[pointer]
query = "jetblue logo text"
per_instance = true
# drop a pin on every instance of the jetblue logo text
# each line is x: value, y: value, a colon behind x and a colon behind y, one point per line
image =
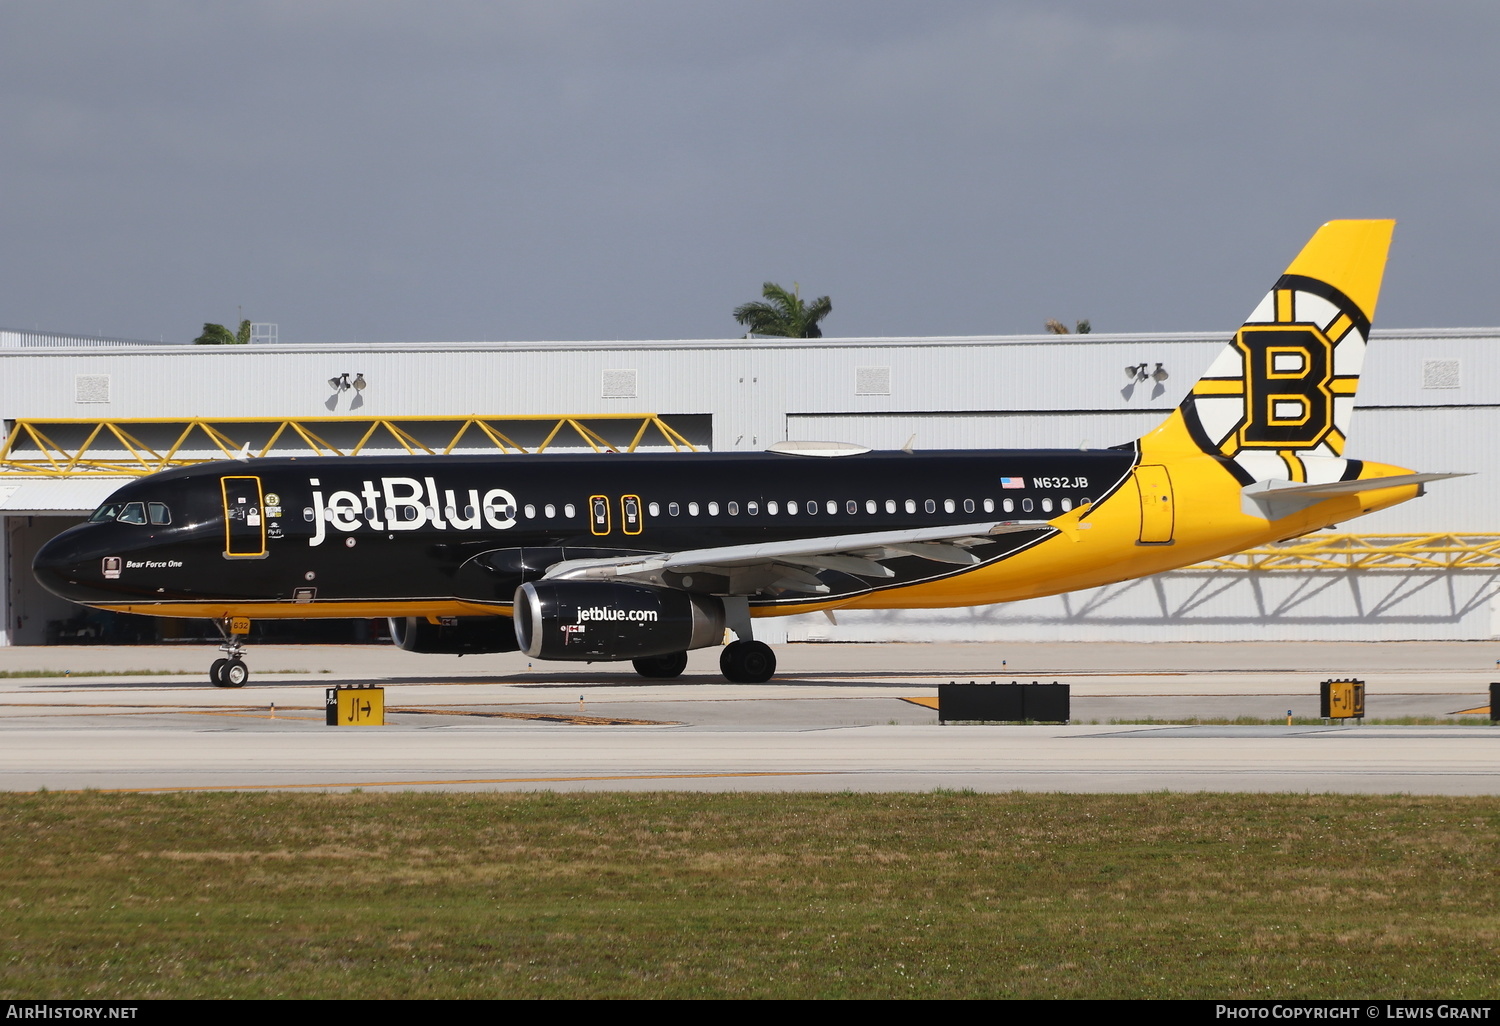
x: 407, y: 504
x: 600, y: 613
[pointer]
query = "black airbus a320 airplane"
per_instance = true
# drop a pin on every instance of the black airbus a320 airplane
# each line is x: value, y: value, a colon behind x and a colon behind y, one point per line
x: 644, y: 557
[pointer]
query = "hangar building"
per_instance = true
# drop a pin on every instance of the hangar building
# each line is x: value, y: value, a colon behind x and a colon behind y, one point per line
x: 81, y: 415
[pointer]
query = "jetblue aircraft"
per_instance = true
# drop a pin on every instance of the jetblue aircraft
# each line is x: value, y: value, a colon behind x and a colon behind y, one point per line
x: 645, y: 557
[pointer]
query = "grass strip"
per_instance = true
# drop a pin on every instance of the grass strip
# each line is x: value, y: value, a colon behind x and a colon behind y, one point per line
x: 424, y: 895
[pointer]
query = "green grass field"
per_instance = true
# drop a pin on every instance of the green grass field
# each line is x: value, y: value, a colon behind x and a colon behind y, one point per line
x: 753, y: 895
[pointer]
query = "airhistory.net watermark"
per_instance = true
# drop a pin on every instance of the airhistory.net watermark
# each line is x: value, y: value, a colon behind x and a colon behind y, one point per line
x: 44, y: 1010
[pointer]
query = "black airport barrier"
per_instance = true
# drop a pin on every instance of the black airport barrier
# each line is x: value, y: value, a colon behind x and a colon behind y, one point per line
x: 1042, y: 703
x: 1494, y: 703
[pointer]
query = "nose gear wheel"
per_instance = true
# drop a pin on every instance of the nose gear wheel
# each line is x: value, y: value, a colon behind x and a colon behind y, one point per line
x: 230, y: 671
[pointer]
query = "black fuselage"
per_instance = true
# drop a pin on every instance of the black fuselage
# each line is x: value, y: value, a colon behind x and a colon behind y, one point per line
x: 325, y: 533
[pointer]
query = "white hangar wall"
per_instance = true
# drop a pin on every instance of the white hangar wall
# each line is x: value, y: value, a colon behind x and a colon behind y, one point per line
x: 749, y: 387
x: 1430, y: 400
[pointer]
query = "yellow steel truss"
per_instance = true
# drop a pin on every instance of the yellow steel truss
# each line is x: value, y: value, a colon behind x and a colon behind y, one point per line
x: 113, y: 447
x: 1367, y: 552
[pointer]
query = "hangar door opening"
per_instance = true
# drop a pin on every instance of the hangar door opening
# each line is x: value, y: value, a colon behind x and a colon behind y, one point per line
x: 32, y: 615
x: 35, y: 616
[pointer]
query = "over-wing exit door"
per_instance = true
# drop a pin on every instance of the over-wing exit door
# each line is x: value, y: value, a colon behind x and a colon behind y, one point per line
x: 599, y: 514
x: 244, y: 518
x: 630, y: 513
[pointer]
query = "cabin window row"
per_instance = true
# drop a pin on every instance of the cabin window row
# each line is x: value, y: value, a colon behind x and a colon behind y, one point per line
x: 812, y: 507
x: 406, y: 512
x: 832, y: 507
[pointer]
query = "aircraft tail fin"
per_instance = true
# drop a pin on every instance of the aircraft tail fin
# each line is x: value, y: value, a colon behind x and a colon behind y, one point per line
x: 1277, y: 402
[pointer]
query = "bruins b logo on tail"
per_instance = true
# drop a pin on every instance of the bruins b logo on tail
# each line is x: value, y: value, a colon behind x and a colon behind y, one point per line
x: 1278, y: 400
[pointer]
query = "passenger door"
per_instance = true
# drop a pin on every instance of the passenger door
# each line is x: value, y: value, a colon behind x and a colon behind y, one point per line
x: 244, y: 518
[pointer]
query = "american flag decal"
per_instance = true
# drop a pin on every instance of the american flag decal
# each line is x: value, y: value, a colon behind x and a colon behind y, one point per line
x: 1012, y: 482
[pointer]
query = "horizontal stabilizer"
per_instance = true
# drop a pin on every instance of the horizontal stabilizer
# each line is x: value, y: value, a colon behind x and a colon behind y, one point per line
x: 1276, y: 499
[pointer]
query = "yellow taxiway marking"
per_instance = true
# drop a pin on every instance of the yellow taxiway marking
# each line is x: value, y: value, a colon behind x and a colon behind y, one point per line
x: 930, y: 703
x: 252, y: 710
x: 426, y: 783
x: 257, y: 715
x: 258, y: 711
x: 573, y: 718
x: 103, y: 705
x: 1482, y: 710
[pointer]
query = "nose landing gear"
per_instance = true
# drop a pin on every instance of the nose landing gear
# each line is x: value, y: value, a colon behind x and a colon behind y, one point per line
x: 231, y: 671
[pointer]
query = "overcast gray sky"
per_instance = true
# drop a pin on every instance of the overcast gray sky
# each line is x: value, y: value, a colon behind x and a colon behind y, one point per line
x: 624, y: 170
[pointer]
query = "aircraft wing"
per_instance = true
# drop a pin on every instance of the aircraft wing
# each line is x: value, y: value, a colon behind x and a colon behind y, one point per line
x: 787, y: 564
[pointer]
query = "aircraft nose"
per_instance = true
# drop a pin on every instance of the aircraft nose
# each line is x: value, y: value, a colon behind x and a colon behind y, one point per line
x: 51, y: 564
x: 68, y: 568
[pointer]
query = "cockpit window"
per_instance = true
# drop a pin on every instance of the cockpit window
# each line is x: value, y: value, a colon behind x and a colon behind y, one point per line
x: 158, y: 513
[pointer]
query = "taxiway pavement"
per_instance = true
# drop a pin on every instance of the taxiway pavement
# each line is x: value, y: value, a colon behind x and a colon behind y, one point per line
x: 838, y: 717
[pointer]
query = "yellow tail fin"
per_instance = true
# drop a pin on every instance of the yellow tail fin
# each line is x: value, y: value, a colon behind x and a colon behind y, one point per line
x: 1277, y: 401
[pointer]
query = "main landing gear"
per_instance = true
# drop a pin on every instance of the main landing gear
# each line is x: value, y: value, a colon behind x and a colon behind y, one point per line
x: 663, y: 667
x: 747, y: 662
x: 744, y: 661
x: 231, y: 671
x: 741, y: 662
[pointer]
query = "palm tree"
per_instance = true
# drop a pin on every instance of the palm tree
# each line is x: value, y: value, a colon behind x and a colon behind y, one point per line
x: 218, y: 335
x: 785, y: 316
x: 1056, y: 327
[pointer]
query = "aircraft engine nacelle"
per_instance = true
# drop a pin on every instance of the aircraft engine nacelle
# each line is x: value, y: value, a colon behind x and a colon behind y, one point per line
x: 604, y: 621
x: 463, y: 635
